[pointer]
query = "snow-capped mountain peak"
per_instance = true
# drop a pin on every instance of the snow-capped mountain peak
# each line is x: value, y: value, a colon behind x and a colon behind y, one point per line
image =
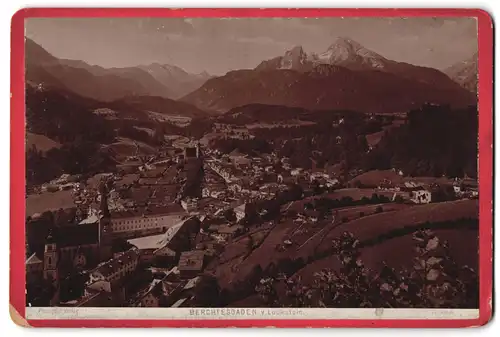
x: 345, y: 50
x: 294, y: 58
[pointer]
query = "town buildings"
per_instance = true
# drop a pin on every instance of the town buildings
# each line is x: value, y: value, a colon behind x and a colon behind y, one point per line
x: 145, y: 222
x: 191, y: 263
x: 114, y: 271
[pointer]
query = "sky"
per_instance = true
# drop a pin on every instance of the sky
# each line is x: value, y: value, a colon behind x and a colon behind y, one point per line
x: 218, y: 45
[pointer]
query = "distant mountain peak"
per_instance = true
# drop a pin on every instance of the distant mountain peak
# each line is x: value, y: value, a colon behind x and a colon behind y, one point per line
x: 35, y: 53
x: 346, y: 42
x: 294, y: 58
x: 465, y: 73
x: 345, y: 50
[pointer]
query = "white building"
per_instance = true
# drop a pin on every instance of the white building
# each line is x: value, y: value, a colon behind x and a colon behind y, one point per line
x: 421, y: 197
x: 113, y: 271
x: 240, y: 212
x: 296, y: 172
x: 189, y: 205
x: 127, y: 225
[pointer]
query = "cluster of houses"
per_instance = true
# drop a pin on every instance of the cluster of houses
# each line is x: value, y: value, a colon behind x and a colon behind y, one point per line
x: 424, y: 193
x: 174, y: 234
x: 257, y: 178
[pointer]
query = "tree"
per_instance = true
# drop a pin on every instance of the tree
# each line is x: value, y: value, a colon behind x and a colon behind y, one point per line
x: 250, y: 243
x: 207, y: 292
x: 120, y: 245
x: 308, y: 206
x: 230, y: 215
x: 435, y: 281
x: 295, y: 192
x: 316, y: 188
x: 399, y: 199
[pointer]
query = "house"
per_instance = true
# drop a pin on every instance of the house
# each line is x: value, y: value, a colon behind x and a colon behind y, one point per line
x: 145, y: 222
x: 179, y: 303
x: 79, y: 246
x: 34, y: 269
x: 190, y: 204
x: 164, y: 247
x: 421, y: 196
x: 152, y: 248
x: 114, y: 271
x: 128, y: 180
x: 229, y: 232
x: 241, y: 212
x: 296, y: 172
x: 95, y: 298
x: 332, y: 182
x: 410, y: 184
x: 158, y: 293
x: 191, y: 263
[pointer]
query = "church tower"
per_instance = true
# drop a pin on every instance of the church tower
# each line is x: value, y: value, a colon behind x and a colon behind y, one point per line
x: 50, y: 266
x: 104, y: 224
x: 198, y: 150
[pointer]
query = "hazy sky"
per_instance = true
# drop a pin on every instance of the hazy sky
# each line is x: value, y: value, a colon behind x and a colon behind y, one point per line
x: 220, y: 45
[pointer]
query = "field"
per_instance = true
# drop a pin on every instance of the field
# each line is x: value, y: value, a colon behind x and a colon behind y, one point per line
x: 354, y: 193
x: 161, y: 117
x: 374, y: 138
x: 312, y: 241
x: 232, y: 266
x: 463, y: 244
x: 373, y: 178
x: 281, y: 124
x: 370, y: 226
x: 148, y: 130
x: 48, y: 201
x: 376, y: 248
x: 125, y: 147
x: 41, y: 142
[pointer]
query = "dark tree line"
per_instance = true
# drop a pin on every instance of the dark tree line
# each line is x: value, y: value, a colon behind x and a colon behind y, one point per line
x: 65, y: 117
x: 79, y: 157
x: 435, y: 141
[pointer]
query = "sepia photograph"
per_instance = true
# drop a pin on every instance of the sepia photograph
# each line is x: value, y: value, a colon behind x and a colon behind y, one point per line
x: 217, y: 166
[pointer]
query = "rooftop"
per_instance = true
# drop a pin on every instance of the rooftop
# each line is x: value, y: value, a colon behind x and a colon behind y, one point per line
x: 33, y: 259
x: 147, y: 242
x: 160, y: 240
x: 151, y: 211
x: 111, y: 266
x: 192, y: 260
x: 90, y: 220
x: 179, y: 303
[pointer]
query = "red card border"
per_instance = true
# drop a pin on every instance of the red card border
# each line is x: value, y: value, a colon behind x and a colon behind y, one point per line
x: 17, y: 162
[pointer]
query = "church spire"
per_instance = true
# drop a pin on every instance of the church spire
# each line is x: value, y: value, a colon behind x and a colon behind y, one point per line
x: 103, y: 207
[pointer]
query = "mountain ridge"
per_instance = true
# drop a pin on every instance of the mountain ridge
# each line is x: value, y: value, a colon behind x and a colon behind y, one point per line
x: 106, y: 84
x: 326, y: 87
x: 465, y: 73
x: 348, y: 77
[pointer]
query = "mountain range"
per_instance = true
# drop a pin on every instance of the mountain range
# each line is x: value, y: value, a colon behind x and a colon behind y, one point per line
x: 465, y: 73
x: 346, y: 76
x: 107, y: 84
